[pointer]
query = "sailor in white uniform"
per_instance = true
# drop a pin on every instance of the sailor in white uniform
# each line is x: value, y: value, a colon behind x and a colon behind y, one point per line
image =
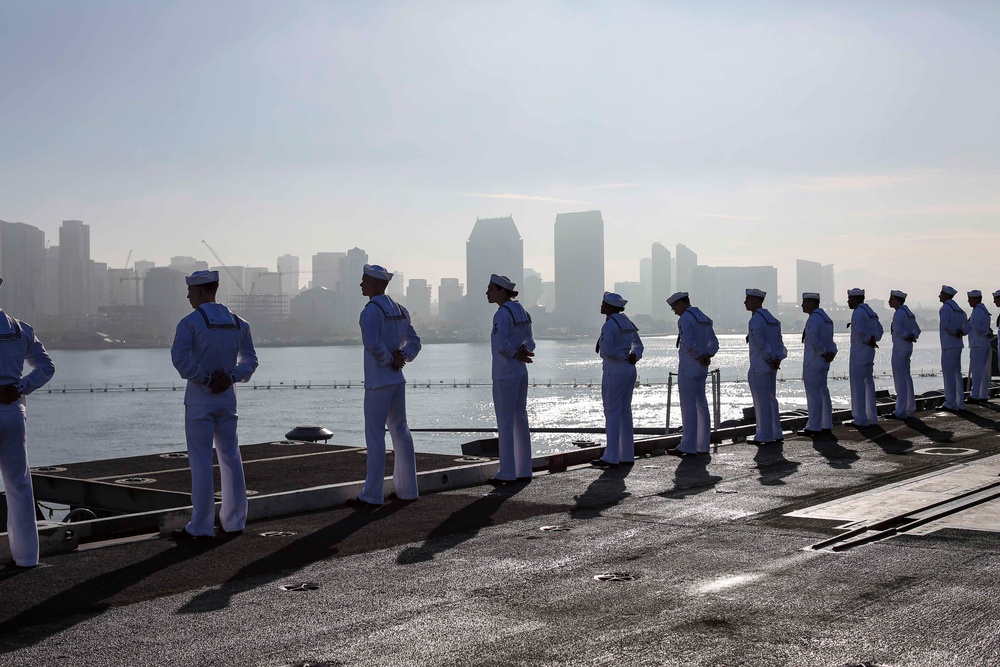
x: 953, y: 326
x: 18, y: 346
x: 212, y: 350
x: 819, y: 350
x: 620, y: 348
x: 696, y: 345
x: 389, y: 342
x: 866, y: 332
x: 766, y: 353
x: 513, y: 347
x: 980, y: 354
x: 905, y: 332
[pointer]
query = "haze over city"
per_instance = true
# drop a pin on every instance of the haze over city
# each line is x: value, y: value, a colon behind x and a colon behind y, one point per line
x: 856, y: 134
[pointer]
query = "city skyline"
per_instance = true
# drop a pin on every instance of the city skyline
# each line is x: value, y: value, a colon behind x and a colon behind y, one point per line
x: 755, y: 133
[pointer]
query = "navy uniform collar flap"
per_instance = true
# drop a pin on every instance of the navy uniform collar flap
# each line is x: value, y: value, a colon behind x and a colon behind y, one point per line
x: 822, y: 313
x: 518, y: 321
x: 217, y: 316
x: 9, y: 327
x: 623, y: 322
x: 768, y: 317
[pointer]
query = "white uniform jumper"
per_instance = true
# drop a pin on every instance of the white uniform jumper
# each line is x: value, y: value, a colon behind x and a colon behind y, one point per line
x: 619, y: 338
x: 817, y: 339
x: 766, y: 345
x: 904, y: 326
x: 511, y: 330
x: 980, y: 353
x: 385, y: 328
x: 953, y: 325
x: 695, y: 338
x: 18, y: 346
x: 212, y: 338
x: 865, y: 329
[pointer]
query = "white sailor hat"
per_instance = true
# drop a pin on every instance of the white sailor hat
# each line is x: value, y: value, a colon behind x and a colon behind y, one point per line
x: 855, y: 291
x: 974, y: 292
x: 202, y: 278
x: 898, y: 294
x: 615, y: 300
x: 811, y: 295
x: 753, y: 291
x: 675, y: 297
x: 376, y: 271
x: 997, y: 293
x: 948, y: 289
x: 502, y: 281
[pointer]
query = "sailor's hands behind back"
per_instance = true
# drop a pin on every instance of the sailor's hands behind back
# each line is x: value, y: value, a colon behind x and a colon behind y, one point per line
x: 524, y: 355
x: 9, y: 394
x: 219, y: 382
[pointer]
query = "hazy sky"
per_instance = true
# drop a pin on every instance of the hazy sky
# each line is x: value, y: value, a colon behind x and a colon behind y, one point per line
x: 864, y: 134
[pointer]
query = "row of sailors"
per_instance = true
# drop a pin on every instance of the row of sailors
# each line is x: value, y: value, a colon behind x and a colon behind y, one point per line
x: 697, y: 344
x: 213, y: 350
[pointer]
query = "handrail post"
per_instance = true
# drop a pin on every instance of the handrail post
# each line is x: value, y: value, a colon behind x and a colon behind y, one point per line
x: 670, y: 393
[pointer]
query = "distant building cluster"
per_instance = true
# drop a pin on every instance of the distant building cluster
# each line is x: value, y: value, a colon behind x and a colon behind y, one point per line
x: 70, y: 295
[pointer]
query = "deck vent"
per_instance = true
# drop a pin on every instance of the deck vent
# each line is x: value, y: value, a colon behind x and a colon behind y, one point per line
x: 309, y: 434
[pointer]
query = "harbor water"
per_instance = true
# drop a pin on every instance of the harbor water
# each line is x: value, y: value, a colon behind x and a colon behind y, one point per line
x: 117, y: 403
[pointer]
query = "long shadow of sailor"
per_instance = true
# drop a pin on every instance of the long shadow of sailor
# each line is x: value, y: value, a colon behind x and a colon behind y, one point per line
x: 607, y: 490
x: 295, y: 555
x: 460, y: 526
x: 836, y: 455
x: 93, y: 596
x: 772, y: 466
x: 691, y: 477
x: 928, y: 431
x: 888, y: 442
x: 979, y: 420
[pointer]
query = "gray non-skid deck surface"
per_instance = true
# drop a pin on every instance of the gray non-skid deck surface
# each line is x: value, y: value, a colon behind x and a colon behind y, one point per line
x: 269, y: 468
x: 721, y: 576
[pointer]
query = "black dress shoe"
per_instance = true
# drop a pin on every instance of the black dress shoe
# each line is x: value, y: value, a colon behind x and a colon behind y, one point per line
x: 601, y: 463
x: 181, y: 535
x: 359, y: 504
x: 827, y: 431
x: 501, y: 482
x: 231, y: 533
x: 751, y: 441
x: 626, y: 463
x: 779, y: 441
x: 808, y: 433
x: 673, y: 451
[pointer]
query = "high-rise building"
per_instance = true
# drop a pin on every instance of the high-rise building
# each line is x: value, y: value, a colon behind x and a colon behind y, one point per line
x: 100, y: 286
x: 661, y: 284
x: 397, y: 287
x: 808, y: 277
x: 450, y: 294
x: 646, y: 278
x: 353, y: 301
x: 720, y: 291
x: 326, y: 269
x: 494, y: 246
x: 75, y: 298
x: 124, y: 288
x: 232, y: 281
x: 164, y: 291
x: 827, y: 290
x: 141, y: 266
x: 22, y: 265
x: 288, y: 268
x: 686, y: 260
x: 187, y: 265
x: 579, y: 269
x: 631, y: 292
x: 50, y: 282
x: 418, y: 298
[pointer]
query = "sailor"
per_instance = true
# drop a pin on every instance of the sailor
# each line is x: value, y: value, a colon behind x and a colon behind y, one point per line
x: 620, y: 348
x: 953, y: 327
x: 866, y: 332
x: 819, y: 350
x: 766, y: 352
x: 696, y: 345
x: 513, y: 347
x: 18, y: 346
x: 905, y: 332
x: 980, y: 353
x: 212, y: 350
x: 389, y: 343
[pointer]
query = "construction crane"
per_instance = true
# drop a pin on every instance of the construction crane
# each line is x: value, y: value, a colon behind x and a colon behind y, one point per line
x: 135, y: 278
x: 224, y: 267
